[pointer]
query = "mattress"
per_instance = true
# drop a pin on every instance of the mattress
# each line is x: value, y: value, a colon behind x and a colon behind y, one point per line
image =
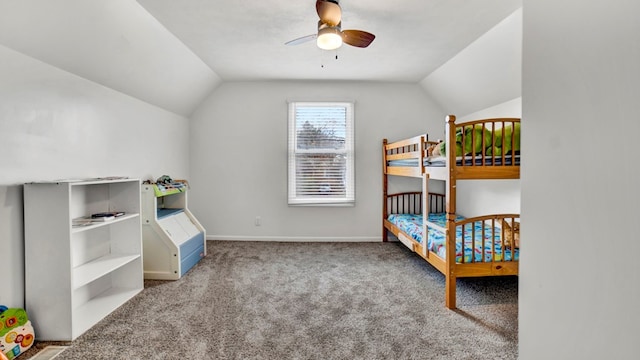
x: 440, y: 161
x: 412, y: 225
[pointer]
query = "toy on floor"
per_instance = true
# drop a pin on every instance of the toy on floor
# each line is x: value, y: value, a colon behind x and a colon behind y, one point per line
x: 16, y: 332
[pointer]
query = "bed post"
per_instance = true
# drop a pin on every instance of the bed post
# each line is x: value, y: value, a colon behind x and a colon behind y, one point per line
x: 450, y: 276
x: 385, y: 234
x: 425, y: 197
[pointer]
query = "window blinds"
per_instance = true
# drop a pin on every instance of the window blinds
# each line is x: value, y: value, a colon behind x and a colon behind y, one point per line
x: 321, y: 157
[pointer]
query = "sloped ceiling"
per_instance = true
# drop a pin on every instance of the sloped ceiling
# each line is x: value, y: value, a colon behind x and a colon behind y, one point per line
x: 174, y: 53
x: 244, y: 40
x: 486, y: 73
x: 115, y: 43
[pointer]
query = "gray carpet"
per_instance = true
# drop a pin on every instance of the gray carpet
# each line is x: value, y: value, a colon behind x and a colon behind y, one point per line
x: 270, y: 300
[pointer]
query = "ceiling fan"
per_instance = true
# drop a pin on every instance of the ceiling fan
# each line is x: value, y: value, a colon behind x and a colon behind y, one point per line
x: 330, y: 35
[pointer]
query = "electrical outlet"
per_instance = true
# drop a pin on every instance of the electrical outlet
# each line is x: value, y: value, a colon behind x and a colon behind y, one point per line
x: 258, y: 221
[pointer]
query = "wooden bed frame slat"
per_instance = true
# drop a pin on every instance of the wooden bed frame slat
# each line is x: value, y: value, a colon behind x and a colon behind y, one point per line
x: 404, y: 171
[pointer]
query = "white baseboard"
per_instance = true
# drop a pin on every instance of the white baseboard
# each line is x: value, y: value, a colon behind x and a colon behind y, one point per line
x: 295, y: 238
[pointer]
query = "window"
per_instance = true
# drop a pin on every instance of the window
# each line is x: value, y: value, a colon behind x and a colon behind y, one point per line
x: 321, y: 156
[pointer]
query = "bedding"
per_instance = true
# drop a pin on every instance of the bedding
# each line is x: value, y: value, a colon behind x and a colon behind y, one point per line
x: 473, y: 140
x: 501, y: 140
x: 440, y: 161
x: 504, y: 145
x: 436, y: 240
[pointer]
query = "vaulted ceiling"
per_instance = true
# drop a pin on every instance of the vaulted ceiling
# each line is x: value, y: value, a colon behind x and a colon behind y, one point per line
x: 173, y: 53
x: 244, y: 40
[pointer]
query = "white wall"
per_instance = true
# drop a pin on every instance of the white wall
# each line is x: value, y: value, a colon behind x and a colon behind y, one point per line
x: 511, y: 108
x: 579, y: 269
x: 239, y: 158
x: 55, y: 125
x: 483, y: 197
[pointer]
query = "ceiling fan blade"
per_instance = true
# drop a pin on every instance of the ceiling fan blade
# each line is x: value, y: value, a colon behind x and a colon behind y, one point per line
x: 357, y: 38
x: 301, y: 40
x: 329, y: 12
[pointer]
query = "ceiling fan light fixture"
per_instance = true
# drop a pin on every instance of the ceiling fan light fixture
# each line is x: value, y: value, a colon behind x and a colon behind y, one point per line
x: 329, y: 38
x: 330, y: 35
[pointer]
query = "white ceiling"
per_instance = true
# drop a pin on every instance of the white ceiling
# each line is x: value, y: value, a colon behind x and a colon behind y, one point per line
x: 174, y: 53
x: 242, y: 40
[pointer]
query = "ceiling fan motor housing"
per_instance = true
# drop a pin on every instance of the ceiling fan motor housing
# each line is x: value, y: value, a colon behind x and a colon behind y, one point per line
x: 322, y: 25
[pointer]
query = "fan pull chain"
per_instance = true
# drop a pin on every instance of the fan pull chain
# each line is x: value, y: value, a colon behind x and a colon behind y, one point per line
x: 322, y: 60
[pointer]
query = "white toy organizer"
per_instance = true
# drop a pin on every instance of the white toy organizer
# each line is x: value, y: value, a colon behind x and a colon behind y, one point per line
x: 173, y: 239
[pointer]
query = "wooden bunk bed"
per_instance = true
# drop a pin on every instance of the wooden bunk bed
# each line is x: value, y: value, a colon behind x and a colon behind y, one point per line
x: 485, y: 149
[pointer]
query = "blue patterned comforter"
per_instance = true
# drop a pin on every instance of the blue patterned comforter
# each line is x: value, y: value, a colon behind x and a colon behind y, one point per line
x: 412, y: 225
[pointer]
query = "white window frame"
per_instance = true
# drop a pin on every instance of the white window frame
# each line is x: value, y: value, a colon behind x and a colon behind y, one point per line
x: 349, y: 179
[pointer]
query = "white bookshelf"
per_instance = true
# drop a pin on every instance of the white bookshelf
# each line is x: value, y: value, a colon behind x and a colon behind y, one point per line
x: 173, y: 239
x: 77, y: 275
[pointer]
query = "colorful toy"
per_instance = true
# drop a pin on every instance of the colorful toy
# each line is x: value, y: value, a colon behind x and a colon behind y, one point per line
x: 16, y: 332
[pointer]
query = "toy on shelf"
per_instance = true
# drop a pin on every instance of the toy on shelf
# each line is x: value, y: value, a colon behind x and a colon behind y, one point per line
x: 165, y: 185
x: 16, y: 332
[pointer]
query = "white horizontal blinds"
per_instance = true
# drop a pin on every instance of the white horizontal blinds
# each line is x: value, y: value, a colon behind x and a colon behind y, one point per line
x: 321, y: 153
